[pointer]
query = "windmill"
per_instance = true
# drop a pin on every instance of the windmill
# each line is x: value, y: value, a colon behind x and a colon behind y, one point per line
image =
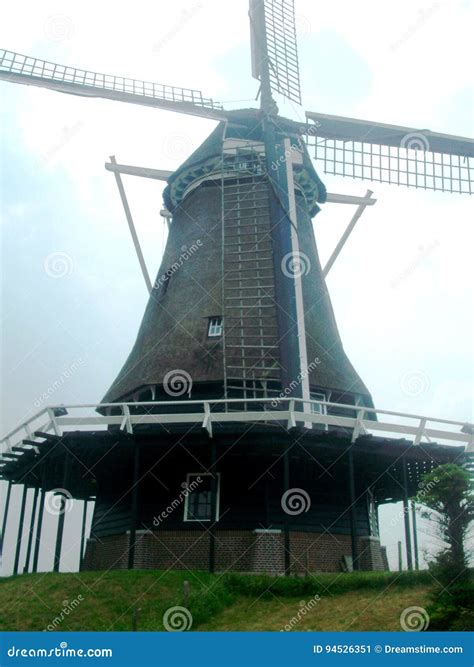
x: 259, y: 352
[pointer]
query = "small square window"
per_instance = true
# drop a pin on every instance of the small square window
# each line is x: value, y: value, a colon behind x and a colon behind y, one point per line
x: 198, y: 503
x: 215, y: 327
x: 315, y: 408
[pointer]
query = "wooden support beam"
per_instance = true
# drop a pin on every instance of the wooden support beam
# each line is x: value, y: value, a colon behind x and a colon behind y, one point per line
x: 353, y: 509
x: 214, y: 481
x: 62, y: 514
x: 134, y: 504
x: 31, y: 531
x: 83, y: 533
x: 5, y: 514
x: 333, y: 198
x: 415, y: 536
x: 406, y: 517
x: 144, y: 172
x: 131, y: 226
x: 38, y: 531
x: 286, y: 521
x: 20, y: 529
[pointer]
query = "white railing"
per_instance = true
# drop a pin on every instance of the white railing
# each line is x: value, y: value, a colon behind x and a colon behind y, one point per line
x: 289, y: 411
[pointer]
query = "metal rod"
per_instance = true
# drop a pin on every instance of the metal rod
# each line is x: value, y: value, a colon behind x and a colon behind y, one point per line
x: 353, y: 509
x: 286, y: 522
x: 134, y: 508
x: 20, y: 529
x: 400, y: 557
x: 38, y: 531
x: 31, y: 531
x: 406, y: 518
x: 83, y: 533
x: 212, y: 536
x: 415, y: 536
x: 340, y: 244
x: 131, y: 226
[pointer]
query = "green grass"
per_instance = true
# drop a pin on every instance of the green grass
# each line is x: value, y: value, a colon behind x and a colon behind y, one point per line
x: 105, y: 600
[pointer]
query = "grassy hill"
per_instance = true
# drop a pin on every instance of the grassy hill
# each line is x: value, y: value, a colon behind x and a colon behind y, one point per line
x: 106, y: 600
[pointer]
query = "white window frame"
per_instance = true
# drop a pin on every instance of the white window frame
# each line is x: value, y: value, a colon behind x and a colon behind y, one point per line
x: 318, y: 409
x: 215, y: 326
x: 186, y: 501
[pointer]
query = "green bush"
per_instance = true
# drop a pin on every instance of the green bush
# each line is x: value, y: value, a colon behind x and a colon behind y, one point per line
x: 453, y: 608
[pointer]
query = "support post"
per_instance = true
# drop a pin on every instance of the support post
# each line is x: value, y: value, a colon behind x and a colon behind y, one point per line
x: 286, y: 522
x: 83, y: 532
x: 131, y: 226
x: 62, y: 514
x: 32, y: 529
x: 353, y: 509
x: 5, y: 515
x: 400, y: 558
x: 212, y: 536
x: 135, y: 500
x: 406, y: 517
x: 415, y: 536
x: 20, y: 529
x: 38, y: 531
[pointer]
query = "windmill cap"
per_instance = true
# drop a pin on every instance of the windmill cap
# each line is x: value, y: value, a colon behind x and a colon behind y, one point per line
x: 245, y: 124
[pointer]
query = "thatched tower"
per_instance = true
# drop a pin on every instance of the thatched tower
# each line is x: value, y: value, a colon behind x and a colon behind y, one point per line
x: 217, y: 266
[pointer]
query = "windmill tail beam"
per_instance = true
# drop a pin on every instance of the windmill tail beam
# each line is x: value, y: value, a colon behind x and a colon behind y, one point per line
x: 131, y: 226
x: 144, y: 172
x: 342, y: 241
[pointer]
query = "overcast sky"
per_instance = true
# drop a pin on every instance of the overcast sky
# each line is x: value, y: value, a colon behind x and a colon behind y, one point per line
x: 402, y: 288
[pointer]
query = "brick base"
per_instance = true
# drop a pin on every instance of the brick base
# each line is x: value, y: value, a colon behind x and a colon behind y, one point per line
x: 238, y: 551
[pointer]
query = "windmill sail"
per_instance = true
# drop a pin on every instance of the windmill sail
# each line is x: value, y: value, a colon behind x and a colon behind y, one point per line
x: 18, y: 68
x: 391, y: 154
x: 273, y: 45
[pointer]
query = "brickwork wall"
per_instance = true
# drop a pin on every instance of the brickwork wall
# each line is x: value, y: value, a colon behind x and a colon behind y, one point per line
x: 241, y: 551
